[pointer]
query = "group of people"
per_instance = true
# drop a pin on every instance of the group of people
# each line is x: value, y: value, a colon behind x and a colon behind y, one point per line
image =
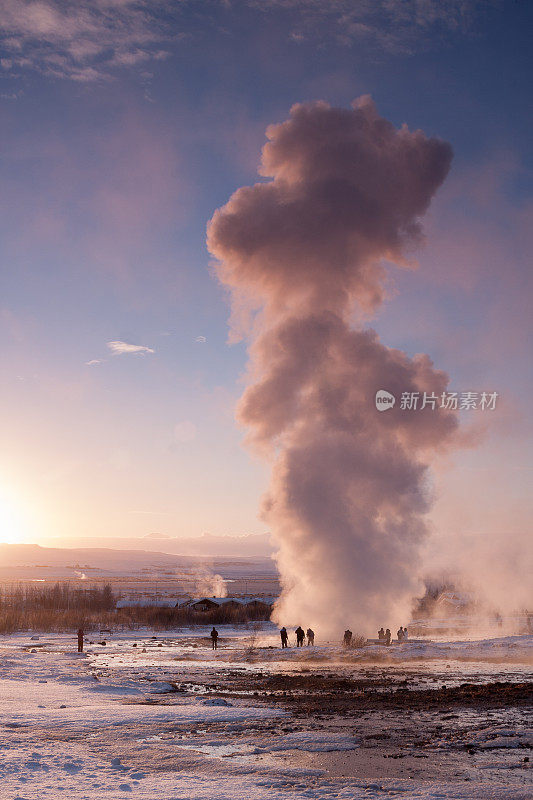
x: 386, y: 635
x: 402, y: 634
x: 383, y: 635
x: 300, y: 637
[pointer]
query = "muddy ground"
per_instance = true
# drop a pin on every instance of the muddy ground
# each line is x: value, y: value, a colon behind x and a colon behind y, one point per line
x: 329, y: 694
x: 466, y: 732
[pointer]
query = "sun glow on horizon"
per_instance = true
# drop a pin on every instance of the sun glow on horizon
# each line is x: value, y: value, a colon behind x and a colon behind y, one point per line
x: 13, y: 529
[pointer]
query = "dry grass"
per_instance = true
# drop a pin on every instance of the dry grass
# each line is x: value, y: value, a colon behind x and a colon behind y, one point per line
x: 60, y: 608
x: 39, y: 619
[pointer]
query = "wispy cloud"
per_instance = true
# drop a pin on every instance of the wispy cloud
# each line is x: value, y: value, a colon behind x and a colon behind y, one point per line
x: 93, y: 362
x: 121, y: 348
x: 89, y: 40
x: 385, y: 25
x: 11, y: 95
x: 83, y: 40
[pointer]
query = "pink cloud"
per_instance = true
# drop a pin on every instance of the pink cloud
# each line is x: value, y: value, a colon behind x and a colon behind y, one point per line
x: 82, y: 40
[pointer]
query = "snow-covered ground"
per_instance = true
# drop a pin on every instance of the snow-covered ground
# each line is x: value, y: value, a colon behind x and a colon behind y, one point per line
x: 109, y: 723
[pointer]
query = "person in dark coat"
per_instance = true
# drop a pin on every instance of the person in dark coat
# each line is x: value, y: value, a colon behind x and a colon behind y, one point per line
x: 80, y: 640
x: 300, y: 636
x: 310, y: 637
x: 388, y: 636
x: 214, y: 638
x: 381, y: 634
x: 347, y: 640
x: 284, y: 637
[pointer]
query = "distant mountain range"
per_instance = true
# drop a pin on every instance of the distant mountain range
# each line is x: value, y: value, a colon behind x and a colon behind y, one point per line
x: 34, y: 562
x: 248, y: 546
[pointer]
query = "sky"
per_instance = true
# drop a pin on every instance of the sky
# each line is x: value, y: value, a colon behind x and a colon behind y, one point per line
x: 125, y: 125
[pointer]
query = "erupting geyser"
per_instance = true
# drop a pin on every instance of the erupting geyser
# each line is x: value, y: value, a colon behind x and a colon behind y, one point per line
x: 300, y: 253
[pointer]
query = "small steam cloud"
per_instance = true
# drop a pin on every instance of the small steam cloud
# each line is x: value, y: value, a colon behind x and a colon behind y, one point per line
x: 300, y: 253
x: 208, y: 584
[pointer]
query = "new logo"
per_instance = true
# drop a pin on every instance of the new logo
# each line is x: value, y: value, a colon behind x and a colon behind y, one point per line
x: 384, y: 400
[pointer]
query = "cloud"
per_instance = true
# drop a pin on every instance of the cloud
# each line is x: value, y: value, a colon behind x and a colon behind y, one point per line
x: 398, y: 26
x: 200, y: 339
x: 83, y: 40
x: 93, y: 362
x: 119, y: 348
x: 89, y: 40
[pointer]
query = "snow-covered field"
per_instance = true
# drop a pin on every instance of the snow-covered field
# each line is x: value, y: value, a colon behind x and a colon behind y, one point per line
x: 109, y: 723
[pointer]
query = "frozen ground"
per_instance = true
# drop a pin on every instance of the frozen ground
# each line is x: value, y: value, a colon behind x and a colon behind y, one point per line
x: 142, y: 717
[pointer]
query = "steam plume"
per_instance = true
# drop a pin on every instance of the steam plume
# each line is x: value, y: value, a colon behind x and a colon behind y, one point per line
x: 305, y: 250
x: 207, y: 584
